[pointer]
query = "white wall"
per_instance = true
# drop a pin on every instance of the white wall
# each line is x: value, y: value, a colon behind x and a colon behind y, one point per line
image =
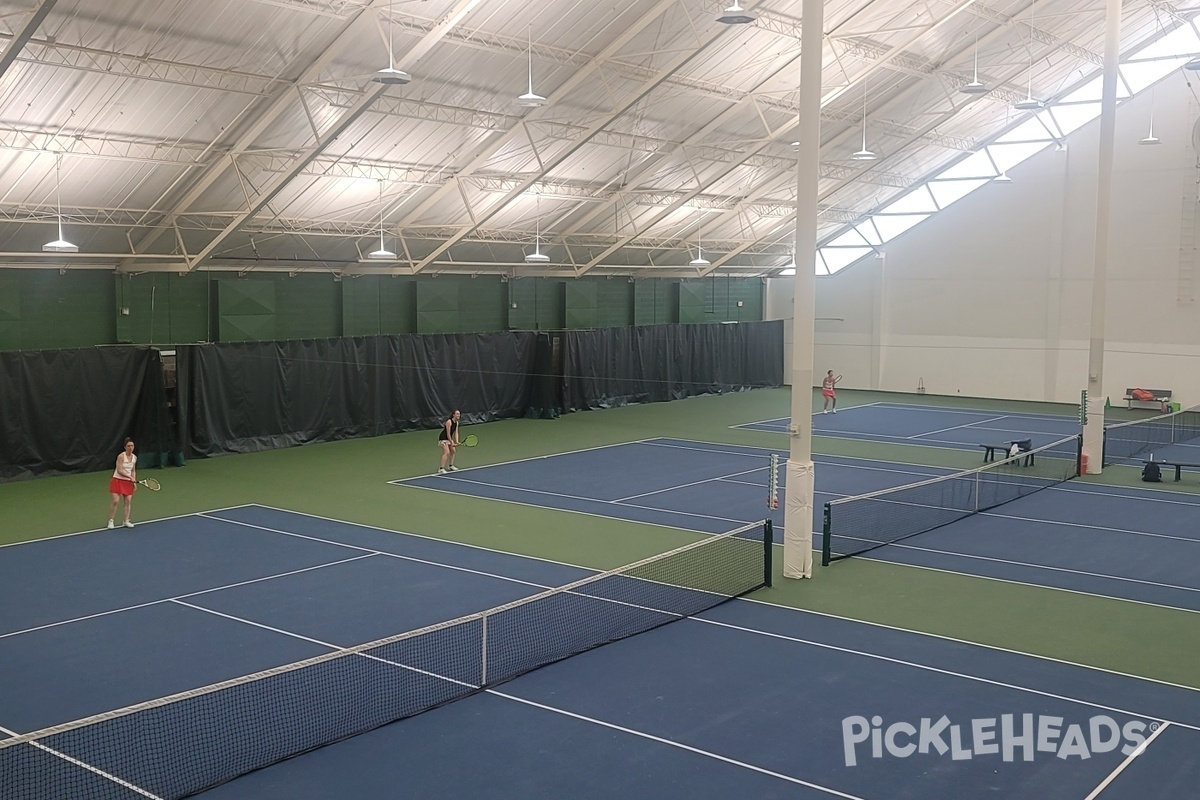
x: 992, y: 297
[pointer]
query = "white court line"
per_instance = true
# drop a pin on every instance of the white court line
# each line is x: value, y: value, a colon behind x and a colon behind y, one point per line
x: 955, y: 640
x: 102, y: 530
x: 1126, y: 493
x: 1084, y: 526
x: 400, y: 481
x: 149, y: 603
x: 625, y: 500
x: 984, y: 411
x: 457, y: 479
x: 333, y: 648
x: 672, y: 743
x: 1046, y: 567
x: 955, y: 427
x: 384, y: 553
x: 929, y: 471
x: 822, y: 645
x: 1045, y: 587
x: 465, y: 684
x: 768, y: 634
x: 1128, y: 760
x: 936, y: 670
x: 84, y: 765
x: 558, y: 509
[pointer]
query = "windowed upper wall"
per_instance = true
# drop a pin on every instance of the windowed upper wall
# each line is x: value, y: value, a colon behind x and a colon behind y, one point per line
x: 1031, y: 133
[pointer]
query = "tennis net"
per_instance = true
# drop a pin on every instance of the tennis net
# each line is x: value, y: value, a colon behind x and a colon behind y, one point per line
x: 854, y: 525
x: 177, y: 746
x: 1128, y: 440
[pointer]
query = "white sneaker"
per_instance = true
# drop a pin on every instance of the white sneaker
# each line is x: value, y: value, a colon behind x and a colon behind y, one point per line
x: 110, y: 525
x: 441, y: 470
x: 453, y: 468
x: 128, y: 524
x: 825, y: 411
x: 835, y: 411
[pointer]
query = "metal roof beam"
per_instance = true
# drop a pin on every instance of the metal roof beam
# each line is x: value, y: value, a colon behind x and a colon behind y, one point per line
x: 327, y: 136
x: 487, y: 149
x: 23, y: 34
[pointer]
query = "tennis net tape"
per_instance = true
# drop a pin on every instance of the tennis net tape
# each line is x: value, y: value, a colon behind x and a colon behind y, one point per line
x: 177, y: 746
x: 1128, y: 440
x: 854, y: 525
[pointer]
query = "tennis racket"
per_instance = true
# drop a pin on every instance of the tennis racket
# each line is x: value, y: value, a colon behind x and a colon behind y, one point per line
x: 838, y: 378
x: 150, y: 484
x: 470, y: 441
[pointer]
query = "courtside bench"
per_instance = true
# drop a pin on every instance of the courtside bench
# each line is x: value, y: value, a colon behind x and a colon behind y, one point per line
x: 1178, y: 465
x: 1024, y: 445
x: 1162, y: 398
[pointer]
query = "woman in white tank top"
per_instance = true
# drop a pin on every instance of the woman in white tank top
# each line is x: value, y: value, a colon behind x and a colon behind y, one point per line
x: 123, y: 484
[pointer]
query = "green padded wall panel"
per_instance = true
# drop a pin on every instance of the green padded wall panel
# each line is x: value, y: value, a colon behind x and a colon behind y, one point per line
x: 614, y: 303
x: 437, y: 306
x: 10, y: 311
x: 307, y: 306
x: 655, y: 302
x: 247, y: 310
x: 482, y: 301
x: 580, y: 304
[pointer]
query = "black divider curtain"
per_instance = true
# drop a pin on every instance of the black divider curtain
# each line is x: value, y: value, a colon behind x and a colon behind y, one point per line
x: 64, y: 411
x: 545, y: 400
x: 616, y: 366
x: 238, y: 398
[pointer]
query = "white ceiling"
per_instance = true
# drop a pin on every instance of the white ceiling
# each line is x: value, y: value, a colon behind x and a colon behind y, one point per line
x: 211, y: 134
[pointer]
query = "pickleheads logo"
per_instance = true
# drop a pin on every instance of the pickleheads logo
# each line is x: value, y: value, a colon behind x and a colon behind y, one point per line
x: 1010, y: 737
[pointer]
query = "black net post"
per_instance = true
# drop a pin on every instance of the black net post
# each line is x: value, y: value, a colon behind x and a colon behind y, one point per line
x: 768, y: 553
x: 826, y: 538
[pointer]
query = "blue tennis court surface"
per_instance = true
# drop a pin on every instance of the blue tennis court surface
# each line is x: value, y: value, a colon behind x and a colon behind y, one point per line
x: 1134, y: 544
x: 932, y: 426
x: 744, y: 700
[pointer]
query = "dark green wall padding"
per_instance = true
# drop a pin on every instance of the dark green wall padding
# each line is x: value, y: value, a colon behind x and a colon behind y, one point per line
x: 1133, y: 638
x: 41, y: 309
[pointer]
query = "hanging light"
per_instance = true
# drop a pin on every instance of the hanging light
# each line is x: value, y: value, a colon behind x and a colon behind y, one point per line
x: 864, y: 154
x: 537, y: 256
x: 59, y: 245
x: 382, y: 254
x: 735, y: 15
x: 1193, y: 64
x: 1029, y: 103
x: 530, y: 99
x: 389, y: 75
x: 699, y: 260
x: 1150, y: 137
x: 1002, y: 178
x: 975, y: 86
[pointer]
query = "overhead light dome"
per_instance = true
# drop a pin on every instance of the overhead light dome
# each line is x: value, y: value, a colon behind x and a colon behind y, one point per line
x: 391, y: 76
x: 735, y: 15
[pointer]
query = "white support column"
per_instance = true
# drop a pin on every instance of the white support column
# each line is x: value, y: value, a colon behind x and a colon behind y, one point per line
x: 1093, y: 431
x: 798, y: 510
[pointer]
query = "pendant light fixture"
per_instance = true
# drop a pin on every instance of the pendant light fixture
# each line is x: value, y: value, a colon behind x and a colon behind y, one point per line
x: 530, y: 99
x: 976, y: 86
x: 389, y: 75
x: 699, y: 260
x: 537, y: 256
x: 735, y: 15
x: 1150, y: 137
x: 382, y: 254
x: 1029, y: 103
x: 864, y: 154
x: 59, y: 245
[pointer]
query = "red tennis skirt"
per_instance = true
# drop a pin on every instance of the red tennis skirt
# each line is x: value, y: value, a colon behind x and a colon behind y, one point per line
x: 120, y: 486
x: 828, y: 393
